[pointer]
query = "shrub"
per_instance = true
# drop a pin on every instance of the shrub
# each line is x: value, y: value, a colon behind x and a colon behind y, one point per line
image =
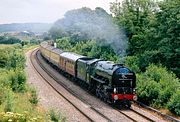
x: 4, y: 81
x: 132, y: 62
x: 156, y: 86
x: 17, y: 59
x: 166, y: 92
x: 54, y: 116
x: 147, y: 90
x: 11, y: 57
x: 4, y: 58
x: 167, y: 80
x: 17, y: 78
x: 174, y: 103
x: 33, y: 99
x: 64, y: 43
x: 158, y: 73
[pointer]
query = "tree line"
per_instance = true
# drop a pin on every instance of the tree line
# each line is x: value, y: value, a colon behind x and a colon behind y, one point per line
x: 9, y: 40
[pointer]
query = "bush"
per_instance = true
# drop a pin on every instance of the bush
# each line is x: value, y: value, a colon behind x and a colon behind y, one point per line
x: 132, y: 62
x: 64, y: 44
x: 11, y: 57
x: 156, y: 86
x: 34, y: 41
x: 166, y: 93
x: 33, y: 99
x: 4, y: 58
x: 4, y: 80
x: 18, y: 79
x: 56, y: 117
x: 174, y: 103
x: 167, y: 80
x: 83, y: 48
x: 17, y: 59
x: 147, y: 90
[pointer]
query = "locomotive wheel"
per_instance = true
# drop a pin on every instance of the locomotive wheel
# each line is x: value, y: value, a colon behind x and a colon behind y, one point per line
x: 97, y: 93
x: 105, y: 99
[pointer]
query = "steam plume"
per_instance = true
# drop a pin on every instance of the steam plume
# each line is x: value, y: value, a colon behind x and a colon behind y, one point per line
x: 94, y: 24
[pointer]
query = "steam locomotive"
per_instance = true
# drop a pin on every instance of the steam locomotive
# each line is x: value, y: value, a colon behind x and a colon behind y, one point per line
x: 113, y: 83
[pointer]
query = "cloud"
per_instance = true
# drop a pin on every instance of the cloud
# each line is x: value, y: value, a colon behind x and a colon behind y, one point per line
x: 13, y: 11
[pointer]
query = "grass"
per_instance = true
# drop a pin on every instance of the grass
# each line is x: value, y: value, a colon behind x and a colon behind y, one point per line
x: 22, y: 106
x: 5, y: 46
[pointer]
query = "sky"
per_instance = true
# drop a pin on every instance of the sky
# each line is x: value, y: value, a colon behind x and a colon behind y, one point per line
x: 46, y: 11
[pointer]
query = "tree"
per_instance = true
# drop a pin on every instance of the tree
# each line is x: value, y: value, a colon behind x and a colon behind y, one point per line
x: 9, y: 40
x: 168, y: 34
x: 152, y: 29
x: 64, y: 44
x: 137, y: 17
x: 3, y: 58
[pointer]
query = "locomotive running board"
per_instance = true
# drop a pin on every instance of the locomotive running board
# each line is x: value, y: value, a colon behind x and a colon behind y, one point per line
x: 97, y: 79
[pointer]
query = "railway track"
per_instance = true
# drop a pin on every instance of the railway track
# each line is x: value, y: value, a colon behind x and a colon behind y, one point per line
x: 131, y: 113
x: 81, y: 111
x: 128, y: 113
x: 164, y: 116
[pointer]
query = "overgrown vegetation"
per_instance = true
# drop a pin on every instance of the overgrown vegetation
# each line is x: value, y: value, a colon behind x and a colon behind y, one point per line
x: 56, y: 117
x: 152, y: 29
x: 33, y: 99
x: 18, y: 102
x: 157, y: 86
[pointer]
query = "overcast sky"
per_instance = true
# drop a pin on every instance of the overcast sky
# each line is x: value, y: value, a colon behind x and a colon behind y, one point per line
x: 23, y: 11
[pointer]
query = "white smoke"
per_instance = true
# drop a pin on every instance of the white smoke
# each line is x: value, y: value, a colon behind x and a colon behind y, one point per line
x: 94, y: 24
